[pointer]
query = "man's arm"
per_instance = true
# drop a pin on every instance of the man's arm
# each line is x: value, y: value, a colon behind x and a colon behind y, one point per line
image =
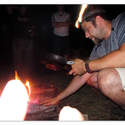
x: 74, y: 85
x: 112, y: 60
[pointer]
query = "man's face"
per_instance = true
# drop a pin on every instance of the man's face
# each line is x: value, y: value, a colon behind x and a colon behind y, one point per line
x: 95, y: 33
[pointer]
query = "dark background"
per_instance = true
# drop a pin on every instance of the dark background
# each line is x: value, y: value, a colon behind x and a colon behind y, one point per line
x: 88, y: 100
x: 41, y: 17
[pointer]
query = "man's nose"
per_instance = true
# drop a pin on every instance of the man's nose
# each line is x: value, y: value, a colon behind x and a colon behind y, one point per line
x: 87, y: 35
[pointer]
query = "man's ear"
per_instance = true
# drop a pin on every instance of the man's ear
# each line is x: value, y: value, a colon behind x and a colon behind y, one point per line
x: 99, y: 20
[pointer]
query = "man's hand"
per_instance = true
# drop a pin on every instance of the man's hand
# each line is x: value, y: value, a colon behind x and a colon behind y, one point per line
x: 52, y: 101
x: 78, y: 68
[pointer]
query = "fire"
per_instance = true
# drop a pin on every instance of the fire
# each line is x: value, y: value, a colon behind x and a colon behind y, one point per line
x: 16, y: 76
x: 84, y: 6
x: 29, y: 89
x: 68, y: 113
x: 14, y: 100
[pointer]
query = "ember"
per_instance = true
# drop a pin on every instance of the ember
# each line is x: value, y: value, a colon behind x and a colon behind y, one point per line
x: 51, y: 67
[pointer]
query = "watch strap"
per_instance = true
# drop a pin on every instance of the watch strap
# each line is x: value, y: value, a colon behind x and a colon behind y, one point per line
x: 87, y: 67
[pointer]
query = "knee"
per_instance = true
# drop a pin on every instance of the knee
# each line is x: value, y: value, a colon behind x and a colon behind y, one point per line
x: 92, y: 81
x: 106, y: 80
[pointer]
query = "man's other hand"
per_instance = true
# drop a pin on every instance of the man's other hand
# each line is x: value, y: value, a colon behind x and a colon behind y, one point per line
x: 78, y: 68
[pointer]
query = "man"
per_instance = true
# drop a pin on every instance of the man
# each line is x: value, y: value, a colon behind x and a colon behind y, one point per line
x: 105, y: 68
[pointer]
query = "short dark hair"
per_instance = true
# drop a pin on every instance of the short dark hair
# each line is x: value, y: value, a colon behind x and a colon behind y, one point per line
x: 92, y: 11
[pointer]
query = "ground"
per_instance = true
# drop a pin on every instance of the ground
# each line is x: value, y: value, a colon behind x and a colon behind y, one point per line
x: 91, y: 102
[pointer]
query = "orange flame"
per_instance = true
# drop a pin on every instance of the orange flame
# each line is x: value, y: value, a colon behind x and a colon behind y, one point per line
x: 27, y: 82
x: 16, y: 76
x: 68, y: 113
x: 83, y: 8
x: 28, y: 86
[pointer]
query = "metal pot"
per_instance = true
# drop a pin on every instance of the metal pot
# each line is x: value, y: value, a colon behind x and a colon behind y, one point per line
x: 58, y: 59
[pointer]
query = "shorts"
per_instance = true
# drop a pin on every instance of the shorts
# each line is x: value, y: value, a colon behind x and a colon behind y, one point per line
x: 121, y: 72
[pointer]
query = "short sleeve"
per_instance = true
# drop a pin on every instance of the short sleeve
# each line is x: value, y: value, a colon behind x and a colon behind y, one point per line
x: 121, y: 30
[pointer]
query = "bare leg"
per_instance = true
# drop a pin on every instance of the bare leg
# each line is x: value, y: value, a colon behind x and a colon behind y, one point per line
x: 92, y: 81
x: 109, y: 83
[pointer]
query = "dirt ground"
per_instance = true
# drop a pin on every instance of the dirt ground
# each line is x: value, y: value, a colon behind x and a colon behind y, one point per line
x: 93, y: 104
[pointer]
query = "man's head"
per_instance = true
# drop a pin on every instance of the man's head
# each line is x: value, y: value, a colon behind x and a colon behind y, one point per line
x: 94, y: 23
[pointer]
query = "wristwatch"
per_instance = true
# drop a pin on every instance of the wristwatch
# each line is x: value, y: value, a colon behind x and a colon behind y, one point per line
x: 87, y: 67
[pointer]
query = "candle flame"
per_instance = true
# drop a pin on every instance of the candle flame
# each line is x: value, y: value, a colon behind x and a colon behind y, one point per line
x: 79, y: 20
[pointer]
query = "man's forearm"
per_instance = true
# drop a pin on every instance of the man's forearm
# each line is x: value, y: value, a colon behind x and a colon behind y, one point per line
x: 74, y: 85
x: 112, y: 60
